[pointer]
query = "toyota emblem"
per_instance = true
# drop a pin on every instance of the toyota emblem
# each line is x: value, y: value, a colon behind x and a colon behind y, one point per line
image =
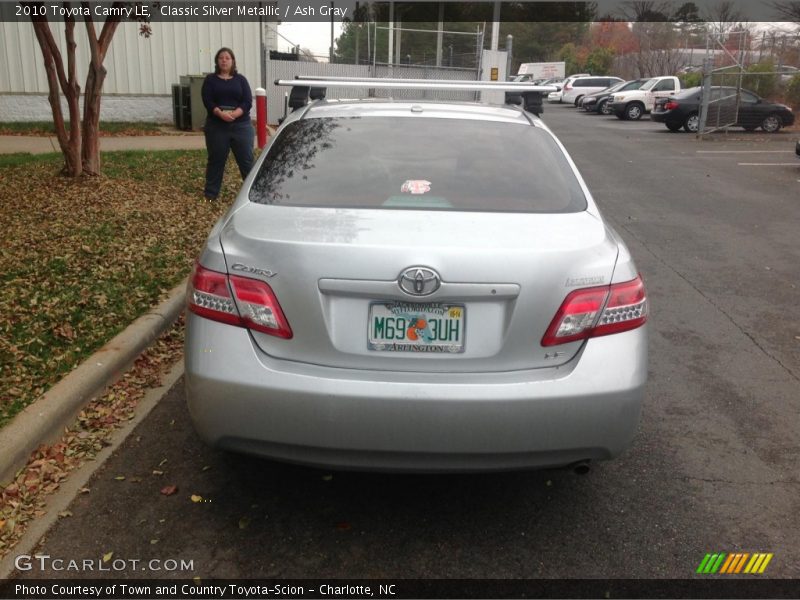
x: 419, y: 281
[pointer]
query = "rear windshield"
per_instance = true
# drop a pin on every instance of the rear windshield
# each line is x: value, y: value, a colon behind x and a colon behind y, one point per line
x: 417, y: 163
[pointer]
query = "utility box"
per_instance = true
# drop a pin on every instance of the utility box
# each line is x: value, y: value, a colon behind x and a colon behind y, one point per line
x: 181, y: 108
x: 198, y: 112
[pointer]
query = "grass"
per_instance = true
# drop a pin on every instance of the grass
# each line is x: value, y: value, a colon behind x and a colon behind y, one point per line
x: 81, y: 259
x: 106, y: 128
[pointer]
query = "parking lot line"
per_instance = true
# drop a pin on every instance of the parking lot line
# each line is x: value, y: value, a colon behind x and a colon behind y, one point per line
x: 791, y: 164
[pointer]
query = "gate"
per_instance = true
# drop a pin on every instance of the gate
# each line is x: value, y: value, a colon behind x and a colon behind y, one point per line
x: 722, y: 85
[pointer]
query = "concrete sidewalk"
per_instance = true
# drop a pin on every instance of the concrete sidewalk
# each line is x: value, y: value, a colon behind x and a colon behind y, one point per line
x: 10, y: 144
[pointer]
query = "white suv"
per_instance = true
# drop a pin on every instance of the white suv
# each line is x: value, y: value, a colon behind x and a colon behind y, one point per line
x: 577, y: 87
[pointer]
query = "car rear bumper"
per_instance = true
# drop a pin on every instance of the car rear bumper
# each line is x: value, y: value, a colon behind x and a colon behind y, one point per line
x: 243, y: 400
x: 668, y: 118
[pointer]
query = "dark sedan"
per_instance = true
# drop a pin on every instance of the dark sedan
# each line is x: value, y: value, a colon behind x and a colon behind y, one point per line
x: 598, y: 102
x: 683, y: 111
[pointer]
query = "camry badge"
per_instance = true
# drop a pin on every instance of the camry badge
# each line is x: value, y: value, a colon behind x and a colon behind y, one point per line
x: 253, y: 270
x: 419, y: 281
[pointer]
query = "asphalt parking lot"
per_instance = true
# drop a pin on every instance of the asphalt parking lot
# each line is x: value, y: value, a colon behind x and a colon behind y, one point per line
x: 714, y: 468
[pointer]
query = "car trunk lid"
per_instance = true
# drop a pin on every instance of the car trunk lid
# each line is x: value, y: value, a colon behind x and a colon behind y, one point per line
x: 335, y: 272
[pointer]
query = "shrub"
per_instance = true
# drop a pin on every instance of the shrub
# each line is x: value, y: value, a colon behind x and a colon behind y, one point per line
x: 692, y: 79
x: 793, y: 92
x: 761, y: 84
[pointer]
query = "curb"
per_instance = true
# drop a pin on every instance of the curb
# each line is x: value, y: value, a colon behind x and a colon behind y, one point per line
x: 44, y: 420
x: 80, y: 477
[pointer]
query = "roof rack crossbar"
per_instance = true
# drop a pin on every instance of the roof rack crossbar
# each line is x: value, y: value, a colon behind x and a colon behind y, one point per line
x: 403, y: 80
x: 315, y: 87
x: 399, y: 84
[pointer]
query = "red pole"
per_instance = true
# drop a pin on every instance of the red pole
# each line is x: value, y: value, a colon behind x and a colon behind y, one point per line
x: 261, y: 117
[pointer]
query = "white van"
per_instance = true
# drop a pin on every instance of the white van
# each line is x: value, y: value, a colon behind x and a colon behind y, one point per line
x: 576, y: 88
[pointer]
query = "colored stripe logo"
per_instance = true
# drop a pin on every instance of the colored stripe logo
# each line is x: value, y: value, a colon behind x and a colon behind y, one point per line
x: 737, y: 562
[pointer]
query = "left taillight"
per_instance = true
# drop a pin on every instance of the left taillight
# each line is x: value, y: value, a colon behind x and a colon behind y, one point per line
x: 597, y: 311
x: 236, y: 300
x: 671, y: 105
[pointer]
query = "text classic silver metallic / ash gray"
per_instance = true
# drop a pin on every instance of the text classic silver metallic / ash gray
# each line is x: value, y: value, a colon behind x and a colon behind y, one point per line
x: 416, y: 286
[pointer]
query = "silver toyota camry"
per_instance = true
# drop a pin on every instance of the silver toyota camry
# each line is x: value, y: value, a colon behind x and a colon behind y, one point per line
x: 416, y: 286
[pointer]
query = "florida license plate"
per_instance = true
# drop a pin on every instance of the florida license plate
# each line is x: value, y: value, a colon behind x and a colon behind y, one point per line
x: 416, y: 327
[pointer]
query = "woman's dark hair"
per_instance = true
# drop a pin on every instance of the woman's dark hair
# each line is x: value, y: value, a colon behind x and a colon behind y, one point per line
x: 216, y: 60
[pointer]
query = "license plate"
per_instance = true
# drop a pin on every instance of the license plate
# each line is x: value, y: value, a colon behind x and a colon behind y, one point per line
x: 413, y: 327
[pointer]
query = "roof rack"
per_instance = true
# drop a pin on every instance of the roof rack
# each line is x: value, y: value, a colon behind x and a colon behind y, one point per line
x: 403, y: 80
x: 315, y: 88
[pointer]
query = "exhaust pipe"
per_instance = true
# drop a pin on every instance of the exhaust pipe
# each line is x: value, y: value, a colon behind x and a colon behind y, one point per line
x: 582, y: 467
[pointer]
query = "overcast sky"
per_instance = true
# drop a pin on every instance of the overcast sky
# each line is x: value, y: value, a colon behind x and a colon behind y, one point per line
x: 314, y: 36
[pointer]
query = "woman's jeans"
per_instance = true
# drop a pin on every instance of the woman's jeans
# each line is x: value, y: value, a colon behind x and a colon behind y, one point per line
x: 221, y: 138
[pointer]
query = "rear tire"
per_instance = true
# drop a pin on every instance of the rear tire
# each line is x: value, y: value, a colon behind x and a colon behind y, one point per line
x: 674, y: 126
x: 772, y: 124
x: 604, y: 108
x: 692, y: 123
x: 634, y: 111
x: 578, y: 101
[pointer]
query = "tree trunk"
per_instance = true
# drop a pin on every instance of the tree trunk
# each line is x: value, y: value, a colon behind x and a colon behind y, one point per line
x: 54, y: 68
x: 90, y: 155
x: 98, y: 47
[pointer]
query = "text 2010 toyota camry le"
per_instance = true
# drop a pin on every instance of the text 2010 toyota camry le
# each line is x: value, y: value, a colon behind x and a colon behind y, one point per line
x: 387, y: 293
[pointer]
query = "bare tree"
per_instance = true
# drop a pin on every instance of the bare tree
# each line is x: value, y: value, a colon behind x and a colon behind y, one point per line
x: 647, y: 10
x: 81, y: 146
x: 788, y: 9
x: 722, y: 17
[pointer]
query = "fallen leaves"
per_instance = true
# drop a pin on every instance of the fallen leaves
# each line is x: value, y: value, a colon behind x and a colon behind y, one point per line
x: 25, y: 497
x: 83, y: 258
x: 169, y: 490
x: 195, y: 498
x: 80, y: 260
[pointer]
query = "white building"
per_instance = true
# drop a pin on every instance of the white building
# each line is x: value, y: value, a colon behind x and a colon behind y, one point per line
x: 141, y: 70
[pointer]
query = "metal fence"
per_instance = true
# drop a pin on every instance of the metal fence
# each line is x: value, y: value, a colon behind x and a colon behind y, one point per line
x: 736, y: 67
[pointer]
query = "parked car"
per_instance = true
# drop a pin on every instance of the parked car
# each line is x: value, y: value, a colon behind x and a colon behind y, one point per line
x: 632, y: 104
x: 527, y: 78
x: 560, y: 91
x: 580, y: 86
x: 683, y: 110
x: 797, y: 148
x: 787, y: 73
x: 599, y: 101
x: 558, y: 82
x: 415, y: 305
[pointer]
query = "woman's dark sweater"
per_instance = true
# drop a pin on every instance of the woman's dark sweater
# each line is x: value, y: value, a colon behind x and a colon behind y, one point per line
x: 227, y: 94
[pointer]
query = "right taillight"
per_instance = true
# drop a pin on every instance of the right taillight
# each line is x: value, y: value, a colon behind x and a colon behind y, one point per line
x: 671, y: 105
x: 236, y: 300
x: 597, y: 311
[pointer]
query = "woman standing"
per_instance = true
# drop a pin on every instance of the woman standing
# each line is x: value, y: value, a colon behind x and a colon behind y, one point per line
x: 227, y: 98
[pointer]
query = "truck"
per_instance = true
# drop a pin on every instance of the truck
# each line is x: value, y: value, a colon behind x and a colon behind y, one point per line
x: 543, y: 70
x: 632, y: 104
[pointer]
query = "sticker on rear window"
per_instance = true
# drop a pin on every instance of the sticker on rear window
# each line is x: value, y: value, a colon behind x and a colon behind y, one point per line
x: 416, y: 186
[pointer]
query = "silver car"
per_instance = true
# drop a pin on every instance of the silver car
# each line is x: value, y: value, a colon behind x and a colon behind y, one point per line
x: 387, y: 292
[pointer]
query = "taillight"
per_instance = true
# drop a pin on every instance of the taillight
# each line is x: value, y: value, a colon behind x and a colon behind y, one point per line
x: 236, y: 300
x: 567, y: 87
x: 597, y: 311
x: 671, y: 105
